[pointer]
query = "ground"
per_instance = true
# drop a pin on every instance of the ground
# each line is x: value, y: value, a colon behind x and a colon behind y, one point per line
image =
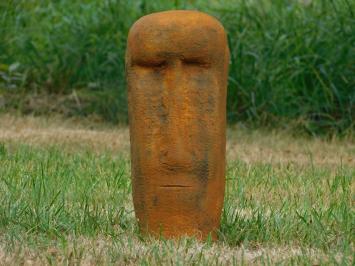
x: 65, y: 197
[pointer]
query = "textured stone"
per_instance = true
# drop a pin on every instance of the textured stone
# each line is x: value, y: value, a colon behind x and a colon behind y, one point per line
x: 177, y: 68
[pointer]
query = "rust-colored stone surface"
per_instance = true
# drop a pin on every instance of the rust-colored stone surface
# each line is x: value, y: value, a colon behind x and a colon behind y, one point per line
x: 177, y: 67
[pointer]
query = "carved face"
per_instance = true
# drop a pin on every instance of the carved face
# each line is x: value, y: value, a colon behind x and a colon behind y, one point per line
x: 176, y: 66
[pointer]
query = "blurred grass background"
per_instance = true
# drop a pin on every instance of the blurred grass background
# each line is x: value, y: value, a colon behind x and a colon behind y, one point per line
x: 292, y: 62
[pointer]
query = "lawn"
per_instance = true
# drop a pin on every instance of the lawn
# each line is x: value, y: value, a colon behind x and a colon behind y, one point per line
x: 65, y: 198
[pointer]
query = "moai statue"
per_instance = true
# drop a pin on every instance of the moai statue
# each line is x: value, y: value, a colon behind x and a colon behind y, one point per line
x: 177, y: 68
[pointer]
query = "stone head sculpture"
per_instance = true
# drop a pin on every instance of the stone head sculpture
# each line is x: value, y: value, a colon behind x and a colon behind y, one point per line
x: 177, y: 67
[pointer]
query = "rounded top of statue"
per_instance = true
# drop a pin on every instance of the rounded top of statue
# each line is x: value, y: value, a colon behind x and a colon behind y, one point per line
x: 177, y: 33
x: 180, y: 18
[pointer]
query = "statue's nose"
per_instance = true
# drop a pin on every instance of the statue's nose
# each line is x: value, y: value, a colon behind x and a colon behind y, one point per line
x: 177, y: 151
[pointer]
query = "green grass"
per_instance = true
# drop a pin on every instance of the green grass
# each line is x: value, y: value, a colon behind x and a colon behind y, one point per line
x: 72, y: 203
x: 289, y: 61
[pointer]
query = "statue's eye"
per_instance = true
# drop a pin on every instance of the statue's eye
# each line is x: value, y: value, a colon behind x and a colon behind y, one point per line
x: 200, y: 62
x: 152, y: 63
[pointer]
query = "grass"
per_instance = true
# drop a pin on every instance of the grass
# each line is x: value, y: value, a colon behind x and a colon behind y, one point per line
x: 290, y: 61
x: 65, y: 197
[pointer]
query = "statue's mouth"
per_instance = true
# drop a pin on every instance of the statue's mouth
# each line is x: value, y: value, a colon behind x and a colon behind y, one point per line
x: 175, y: 186
x: 177, y: 177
